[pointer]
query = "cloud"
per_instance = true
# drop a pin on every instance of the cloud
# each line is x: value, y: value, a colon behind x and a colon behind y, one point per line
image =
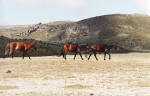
x: 65, y: 3
x: 144, y: 4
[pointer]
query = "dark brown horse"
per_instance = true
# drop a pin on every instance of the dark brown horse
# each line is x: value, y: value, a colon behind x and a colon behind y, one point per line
x: 19, y: 46
x: 93, y: 49
x: 74, y: 48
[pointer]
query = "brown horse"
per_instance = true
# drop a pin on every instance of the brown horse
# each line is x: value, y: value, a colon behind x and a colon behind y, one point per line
x: 100, y: 48
x: 19, y: 46
x: 74, y: 48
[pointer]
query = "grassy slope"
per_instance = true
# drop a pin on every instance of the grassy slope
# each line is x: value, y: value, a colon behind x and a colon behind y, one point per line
x: 129, y: 31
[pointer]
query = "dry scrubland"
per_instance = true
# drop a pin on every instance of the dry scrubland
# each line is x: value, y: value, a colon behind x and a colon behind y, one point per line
x: 124, y: 75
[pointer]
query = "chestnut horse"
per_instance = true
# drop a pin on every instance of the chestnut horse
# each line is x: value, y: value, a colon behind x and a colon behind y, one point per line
x: 74, y: 48
x: 93, y: 49
x: 19, y: 46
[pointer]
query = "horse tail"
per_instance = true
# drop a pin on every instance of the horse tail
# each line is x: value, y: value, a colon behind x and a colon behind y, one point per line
x: 7, y: 48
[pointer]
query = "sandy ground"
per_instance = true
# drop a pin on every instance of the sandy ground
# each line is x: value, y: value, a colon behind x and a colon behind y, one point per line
x: 123, y: 75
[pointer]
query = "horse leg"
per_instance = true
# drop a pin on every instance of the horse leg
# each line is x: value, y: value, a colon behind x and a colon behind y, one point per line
x: 104, y: 55
x: 75, y: 55
x: 80, y: 55
x: 65, y: 56
x: 65, y: 53
x: 89, y: 56
x: 62, y: 53
x: 95, y: 55
x: 23, y: 54
x: 11, y: 53
x: 109, y: 55
x: 28, y: 55
x: 78, y: 50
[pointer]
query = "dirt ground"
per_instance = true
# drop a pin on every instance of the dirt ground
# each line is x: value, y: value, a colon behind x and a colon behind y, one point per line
x: 123, y: 75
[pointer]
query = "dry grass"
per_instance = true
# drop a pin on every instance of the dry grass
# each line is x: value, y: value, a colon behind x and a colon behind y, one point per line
x: 143, y: 83
x: 77, y: 86
x: 8, y: 87
x: 124, y: 75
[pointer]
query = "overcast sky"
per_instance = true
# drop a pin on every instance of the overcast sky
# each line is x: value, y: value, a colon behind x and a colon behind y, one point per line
x: 19, y: 12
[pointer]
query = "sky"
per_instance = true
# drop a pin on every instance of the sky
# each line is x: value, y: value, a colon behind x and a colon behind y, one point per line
x: 20, y: 12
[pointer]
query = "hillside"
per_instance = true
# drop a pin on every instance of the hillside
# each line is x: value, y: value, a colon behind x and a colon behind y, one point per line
x: 130, y: 31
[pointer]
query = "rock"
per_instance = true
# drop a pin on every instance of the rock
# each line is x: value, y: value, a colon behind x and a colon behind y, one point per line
x: 8, y: 71
x: 91, y: 94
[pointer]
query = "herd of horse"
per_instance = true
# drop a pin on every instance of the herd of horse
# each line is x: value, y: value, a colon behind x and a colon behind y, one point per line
x: 74, y: 48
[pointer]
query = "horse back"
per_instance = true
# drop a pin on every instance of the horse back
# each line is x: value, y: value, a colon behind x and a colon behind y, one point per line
x: 99, y: 47
x: 73, y: 47
x: 70, y: 47
x: 20, y: 45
